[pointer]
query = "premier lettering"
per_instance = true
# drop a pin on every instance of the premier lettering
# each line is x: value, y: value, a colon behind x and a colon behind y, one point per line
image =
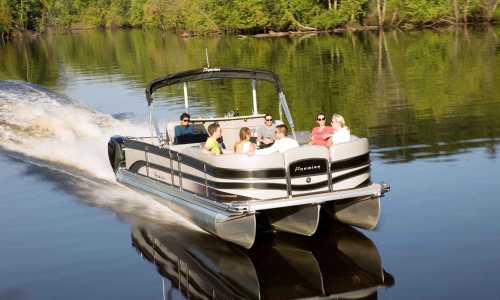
x: 307, y: 168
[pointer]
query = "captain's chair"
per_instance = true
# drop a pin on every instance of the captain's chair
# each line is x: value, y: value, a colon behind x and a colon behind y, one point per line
x: 199, y: 135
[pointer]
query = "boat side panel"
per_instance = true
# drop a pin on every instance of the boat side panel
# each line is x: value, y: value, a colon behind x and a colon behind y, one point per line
x: 163, y: 174
x: 258, y: 194
x: 350, y: 164
x: 133, y: 155
x: 233, y: 166
x: 357, y: 146
x: 266, y: 180
x: 351, y: 179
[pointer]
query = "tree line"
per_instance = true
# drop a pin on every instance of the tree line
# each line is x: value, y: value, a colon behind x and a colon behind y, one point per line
x: 240, y: 16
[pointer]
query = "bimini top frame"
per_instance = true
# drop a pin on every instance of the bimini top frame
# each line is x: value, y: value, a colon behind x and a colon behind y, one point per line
x: 221, y: 73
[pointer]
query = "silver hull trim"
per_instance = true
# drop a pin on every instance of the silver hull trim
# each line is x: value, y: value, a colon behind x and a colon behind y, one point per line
x: 302, y: 220
x: 236, y: 222
x: 239, y: 228
x: 363, y: 213
x: 372, y: 190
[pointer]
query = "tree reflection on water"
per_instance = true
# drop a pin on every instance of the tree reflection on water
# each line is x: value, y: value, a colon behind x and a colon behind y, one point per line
x: 416, y: 95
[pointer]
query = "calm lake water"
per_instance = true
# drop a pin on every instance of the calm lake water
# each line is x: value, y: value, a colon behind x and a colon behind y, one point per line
x: 428, y: 101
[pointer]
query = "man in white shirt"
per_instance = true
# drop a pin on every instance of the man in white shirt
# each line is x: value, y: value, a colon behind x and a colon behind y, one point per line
x: 282, y: 142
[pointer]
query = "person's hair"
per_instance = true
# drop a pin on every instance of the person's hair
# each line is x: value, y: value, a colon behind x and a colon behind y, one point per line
x: 184, y: 115
x: 245, y: 133
x: 339, y: 119
x: 268, y: 115
x: 282, y: 128
x: 320, y: 114
x: 212, y: 128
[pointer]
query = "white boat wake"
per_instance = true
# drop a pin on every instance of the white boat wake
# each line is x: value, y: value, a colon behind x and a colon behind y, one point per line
x: 66, y: 143
x: 41, y: 124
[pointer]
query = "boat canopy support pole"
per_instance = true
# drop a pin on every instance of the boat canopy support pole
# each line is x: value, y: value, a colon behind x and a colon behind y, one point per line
x: 186, y: 102
x: 254, y: 95
x: 150, y: 110
x: 284, y: 108
x: 154, y: 129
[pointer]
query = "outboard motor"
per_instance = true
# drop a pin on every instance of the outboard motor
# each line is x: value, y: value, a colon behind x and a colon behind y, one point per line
x: 115, y: 152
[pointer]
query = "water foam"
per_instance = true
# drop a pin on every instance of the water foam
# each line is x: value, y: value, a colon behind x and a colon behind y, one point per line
x: 47, y: 126
x: 55, y: 133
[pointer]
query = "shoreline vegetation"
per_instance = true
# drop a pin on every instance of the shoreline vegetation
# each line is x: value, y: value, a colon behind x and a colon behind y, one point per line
x: 261, y: 18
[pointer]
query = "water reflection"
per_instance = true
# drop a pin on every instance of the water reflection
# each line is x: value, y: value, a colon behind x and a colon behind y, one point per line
x: 339, y: 262
x: 417, y: 95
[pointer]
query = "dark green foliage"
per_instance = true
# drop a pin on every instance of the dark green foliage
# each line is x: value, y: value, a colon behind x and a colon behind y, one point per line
x: 237, y: 16
x: 6, y: 22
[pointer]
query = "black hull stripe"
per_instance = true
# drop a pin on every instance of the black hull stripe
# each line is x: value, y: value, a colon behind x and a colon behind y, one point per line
x: 215, y: 184
x: 349, y: 163
x: 231, y: 173
x: 201, y: 190
x: 349, y: 175
x: 136, y: 145
x: 211, y: 170
x: 246, y: 185
x: 336, y: 166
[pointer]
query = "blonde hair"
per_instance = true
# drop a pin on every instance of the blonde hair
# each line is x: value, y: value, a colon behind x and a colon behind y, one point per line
x: 339, y: 119
x: 245, y: 134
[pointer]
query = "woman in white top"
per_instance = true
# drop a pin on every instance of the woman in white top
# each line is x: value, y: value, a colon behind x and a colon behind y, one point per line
x: 244, y: 146
x: 341, y: 132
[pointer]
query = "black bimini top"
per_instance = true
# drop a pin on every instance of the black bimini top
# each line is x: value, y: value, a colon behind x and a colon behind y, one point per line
x: 211, y: 73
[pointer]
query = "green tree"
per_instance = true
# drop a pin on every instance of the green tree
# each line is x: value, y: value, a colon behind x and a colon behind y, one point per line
x: 136, y: 12
x: 5, y: 18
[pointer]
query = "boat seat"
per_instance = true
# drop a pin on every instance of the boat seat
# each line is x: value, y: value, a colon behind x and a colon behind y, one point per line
x: 171, y: 131
x: 200, y: 134
x: 238, y: 161
x: 355, y: 147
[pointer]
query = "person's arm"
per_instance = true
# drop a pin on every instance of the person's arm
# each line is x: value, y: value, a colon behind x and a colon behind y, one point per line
x: 272, y: 149
x: 206, y: 149
x: 311, y: 142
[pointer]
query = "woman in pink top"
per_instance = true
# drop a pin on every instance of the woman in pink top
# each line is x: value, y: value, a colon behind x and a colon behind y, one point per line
x: 321, y: 133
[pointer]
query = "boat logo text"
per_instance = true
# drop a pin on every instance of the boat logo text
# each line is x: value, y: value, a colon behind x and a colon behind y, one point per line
x: 308, y: 168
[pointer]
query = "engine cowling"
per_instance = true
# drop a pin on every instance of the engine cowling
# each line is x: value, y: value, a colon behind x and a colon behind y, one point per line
x: 115, y: 152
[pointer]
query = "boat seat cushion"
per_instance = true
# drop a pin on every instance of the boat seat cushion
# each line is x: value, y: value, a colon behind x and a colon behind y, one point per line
x: 355, y: 147
x: 238, y: 161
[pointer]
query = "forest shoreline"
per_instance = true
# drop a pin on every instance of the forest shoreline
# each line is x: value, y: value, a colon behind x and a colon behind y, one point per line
x: 258, y: 18
x: 26, y: 33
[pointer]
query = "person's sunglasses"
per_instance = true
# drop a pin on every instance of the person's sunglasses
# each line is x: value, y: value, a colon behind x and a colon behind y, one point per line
x: 321, y: 119
x: 269, y: 120
x: 185, y: 120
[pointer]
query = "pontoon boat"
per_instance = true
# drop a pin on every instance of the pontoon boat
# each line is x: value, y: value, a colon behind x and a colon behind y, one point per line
x: 226, y: 194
